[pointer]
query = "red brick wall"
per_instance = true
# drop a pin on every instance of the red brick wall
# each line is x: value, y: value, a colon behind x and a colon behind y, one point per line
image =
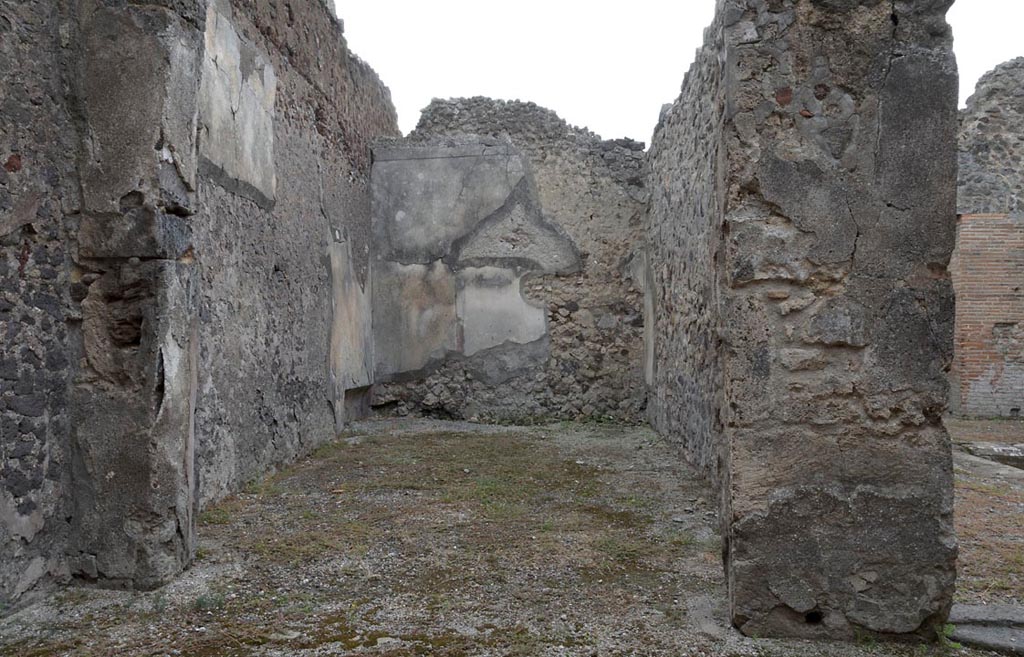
x: 988, y: 275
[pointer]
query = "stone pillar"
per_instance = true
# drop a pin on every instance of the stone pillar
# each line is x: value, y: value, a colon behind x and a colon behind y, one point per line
x: 807, y: 178
x: 133, y: 398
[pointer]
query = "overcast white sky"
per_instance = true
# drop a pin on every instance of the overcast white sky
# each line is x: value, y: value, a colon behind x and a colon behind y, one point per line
x: 609, y: 66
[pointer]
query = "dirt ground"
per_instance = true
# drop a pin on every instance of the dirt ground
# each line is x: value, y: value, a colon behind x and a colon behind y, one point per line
x: 989, y: 516
x: 413, y: 537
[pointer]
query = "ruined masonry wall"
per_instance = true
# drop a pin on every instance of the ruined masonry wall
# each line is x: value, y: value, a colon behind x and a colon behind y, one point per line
x: 184, y: 213
x: 988, y: 269
x: 683, y: 243
x: 36, y: 288
x: 587, y: 364
x: 267, y: 286
x: 821, y: 245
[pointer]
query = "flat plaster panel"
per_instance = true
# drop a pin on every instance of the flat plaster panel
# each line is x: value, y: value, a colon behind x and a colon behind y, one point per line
x: 436, y: 195
x: 414, y: 320
x: 236, y: 106
x: 492, y: 310
x: 351, y: 328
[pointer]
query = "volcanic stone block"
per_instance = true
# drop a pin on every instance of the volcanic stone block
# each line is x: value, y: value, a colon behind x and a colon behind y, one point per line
x: 801, y: 223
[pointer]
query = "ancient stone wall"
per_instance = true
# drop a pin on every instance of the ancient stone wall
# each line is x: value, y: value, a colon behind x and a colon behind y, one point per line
x: 820, y: 244
x: 184, y: 218
x: 681, y: 341
x: 282, y: 234
x: 37, y: 191
x: 132, y: 78
x: 988, y: 269
x: 457, y: 229
x: 581, y: 358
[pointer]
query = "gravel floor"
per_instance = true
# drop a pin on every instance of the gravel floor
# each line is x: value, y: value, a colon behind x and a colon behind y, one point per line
x: 415, y: 537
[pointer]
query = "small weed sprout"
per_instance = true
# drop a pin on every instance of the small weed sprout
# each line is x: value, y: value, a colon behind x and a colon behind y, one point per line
x: 945, y: 637
x: 209, y: 602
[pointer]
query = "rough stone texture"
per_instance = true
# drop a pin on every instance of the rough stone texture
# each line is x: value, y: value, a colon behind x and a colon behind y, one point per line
x: 988, y: 267
x: 284, y: 281
x: 990, y: 180
x: 681, y: 344
x: 188, y: 297
x: 37, y: 189
x: 580, y: 266
x: 184, y: 273
x: 801, y: 222
x: 999, y: 628
x: 133, y: 444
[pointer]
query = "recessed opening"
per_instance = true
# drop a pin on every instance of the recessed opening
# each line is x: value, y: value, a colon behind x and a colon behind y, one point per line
x: 814, y: 617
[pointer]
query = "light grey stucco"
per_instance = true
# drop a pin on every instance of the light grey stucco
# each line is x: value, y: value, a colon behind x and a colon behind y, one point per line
x: 414, y: 319
x: 426, y: 198
x: 351, y: 350
x: 457, y: 227
x: 492, y: 311
x: 236, y: 105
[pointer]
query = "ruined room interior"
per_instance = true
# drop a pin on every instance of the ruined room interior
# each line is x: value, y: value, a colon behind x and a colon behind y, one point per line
x: 277, y: 379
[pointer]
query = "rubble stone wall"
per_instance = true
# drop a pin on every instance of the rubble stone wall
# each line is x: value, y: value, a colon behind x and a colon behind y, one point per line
x: 587, y: 362
x: 683, y: 245
x: 184, y: 224
x: 38, y: 186
x: 988, y: 270
x: 820, y: 244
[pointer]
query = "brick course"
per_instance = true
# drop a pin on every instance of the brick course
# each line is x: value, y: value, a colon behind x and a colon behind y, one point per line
x: 988, y: 274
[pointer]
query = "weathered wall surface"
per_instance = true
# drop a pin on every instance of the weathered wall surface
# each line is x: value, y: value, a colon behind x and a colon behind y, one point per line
x: 586, y: 362
x: 184, y: 218
x: 988, y: 269
x: 281, y: 234
x: 683, y: 244
x: 457, y: 229
x: 133, y: 485
x: 37, y: 183
x: 820, y: 245
x: 95, y: 355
